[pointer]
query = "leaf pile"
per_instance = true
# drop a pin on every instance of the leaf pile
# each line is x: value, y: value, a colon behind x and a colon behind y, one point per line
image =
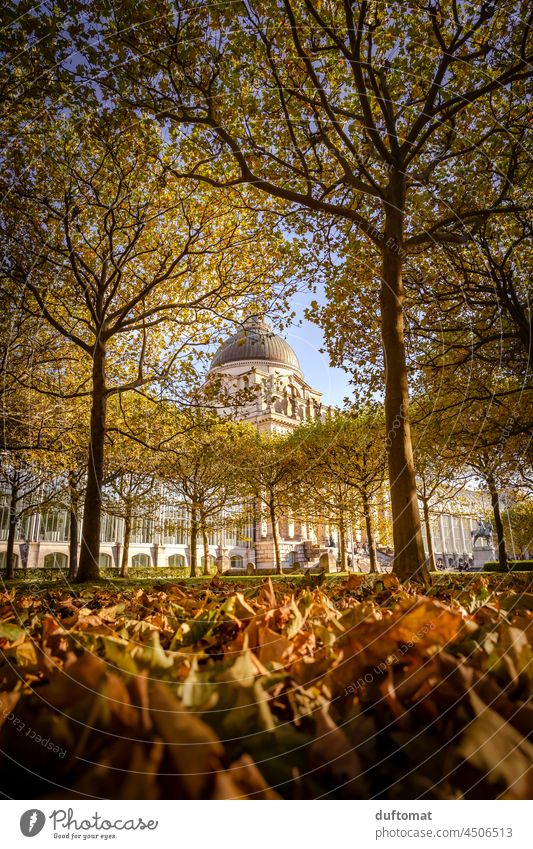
x: 289, y: 689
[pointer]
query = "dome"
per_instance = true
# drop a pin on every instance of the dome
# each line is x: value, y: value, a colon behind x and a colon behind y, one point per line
x: 255, y: 341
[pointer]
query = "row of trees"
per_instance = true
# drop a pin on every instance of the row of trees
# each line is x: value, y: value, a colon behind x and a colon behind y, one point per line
x: 218, y: 473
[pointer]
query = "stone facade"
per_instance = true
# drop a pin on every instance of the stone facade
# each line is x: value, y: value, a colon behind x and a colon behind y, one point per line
x: 262, y: 368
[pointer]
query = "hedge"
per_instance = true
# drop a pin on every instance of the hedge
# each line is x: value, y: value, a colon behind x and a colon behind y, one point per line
x: 40, y: 574
x: 513, y: 566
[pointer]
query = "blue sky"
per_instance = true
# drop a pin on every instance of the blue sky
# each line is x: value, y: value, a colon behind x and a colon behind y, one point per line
x: 307, y: 339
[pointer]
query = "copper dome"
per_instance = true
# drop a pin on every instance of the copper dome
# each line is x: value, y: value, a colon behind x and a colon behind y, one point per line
x: 255, y: 341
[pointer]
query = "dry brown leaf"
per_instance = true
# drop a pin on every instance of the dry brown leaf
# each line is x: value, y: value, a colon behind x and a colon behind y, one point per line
x: 497, y: 750
x: 272, y: 646
x: 332, y: 751
x: 193, y: 746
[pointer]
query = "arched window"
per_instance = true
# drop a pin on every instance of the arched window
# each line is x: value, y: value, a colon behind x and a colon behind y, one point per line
x: 210, y: 561
x: 105, y: 561
x: 55, y: 560
x: 236, y: 562
x: 140, y: 561
x: 176, y: 561
x: 3, y: 560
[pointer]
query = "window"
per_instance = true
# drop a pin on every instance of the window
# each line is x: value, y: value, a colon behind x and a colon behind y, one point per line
x: 110, y: 530
x: 105, y: 561
x: 25, y: 526
x: 175, y: 527
x: 211, y: 562
x: 3, y: 560
x: 236, y: 562
x: 56, y: 560
x: 140, y: 561
x: 176, y: 561
x: 54, y: 526
x: 230, y: 535
x: 4, y: 518
x: 143, y: 530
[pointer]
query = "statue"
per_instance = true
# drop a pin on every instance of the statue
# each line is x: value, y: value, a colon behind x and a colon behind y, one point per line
x: 483, y: 531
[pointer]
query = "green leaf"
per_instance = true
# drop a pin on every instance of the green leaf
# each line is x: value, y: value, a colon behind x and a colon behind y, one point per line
x: 11, y: 632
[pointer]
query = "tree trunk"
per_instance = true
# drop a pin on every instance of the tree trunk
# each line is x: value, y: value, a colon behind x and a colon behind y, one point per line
x: 205, y: 540
x: 370, y: 535
x: 124, y: 570
x: 498, y: 523
x: 409, y: 557
x: 12, y: 530
x: 431, y: 554
x: 73, y: 529
x: 342, y: 543
x: 92, y: 511
x: 194, y: 542
x: 275, y: 536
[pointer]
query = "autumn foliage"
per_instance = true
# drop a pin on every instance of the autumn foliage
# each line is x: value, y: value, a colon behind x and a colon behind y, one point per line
x: 294, y: 689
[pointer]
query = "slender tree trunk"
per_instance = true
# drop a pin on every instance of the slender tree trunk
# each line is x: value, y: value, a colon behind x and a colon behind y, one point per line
x: 194, y: 542
x: 92, y: 511
x: 73, y: 544
x: 73, y: 528
x: 409, y: 557
x: 431, y: 553
x: 498, y: 523
x: 275, y: 536
x: 205, y: 541
x: 342, y: 543
x: 128, y: 519
x: 11, y: 533
x: 370, y: 534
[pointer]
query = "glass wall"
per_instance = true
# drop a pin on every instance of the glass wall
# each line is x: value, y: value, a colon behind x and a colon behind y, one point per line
x: 54, y: 526
x: 4, y: 517
x: 175, y: 526
x: 111, y: 529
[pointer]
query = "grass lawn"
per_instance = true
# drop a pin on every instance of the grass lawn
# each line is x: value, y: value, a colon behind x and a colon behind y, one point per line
x: 448, y: 579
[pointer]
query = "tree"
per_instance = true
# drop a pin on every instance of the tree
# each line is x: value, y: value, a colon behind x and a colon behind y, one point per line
x: 349, y: 450
x: 518, y: 524
x: 25, y: 491
x: 125, y: 263
x: 335, y: 500
x: 198, y: 467
x: 29, y: 362
x: 440, y: 473
x: 66, y: 465
x: 269, y: 474
x: 131, y: 488
x: 399, y: 126
x: 483, y: 440
x: 471, y: 305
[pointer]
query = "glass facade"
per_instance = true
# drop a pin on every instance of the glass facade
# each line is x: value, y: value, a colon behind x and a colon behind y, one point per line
x: 54, y: 526
x: 175, y: 526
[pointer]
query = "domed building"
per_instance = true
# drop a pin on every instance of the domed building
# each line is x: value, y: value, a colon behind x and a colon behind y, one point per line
x: 264, y: 384
x: 260, y: 375
x: 262, y: 366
